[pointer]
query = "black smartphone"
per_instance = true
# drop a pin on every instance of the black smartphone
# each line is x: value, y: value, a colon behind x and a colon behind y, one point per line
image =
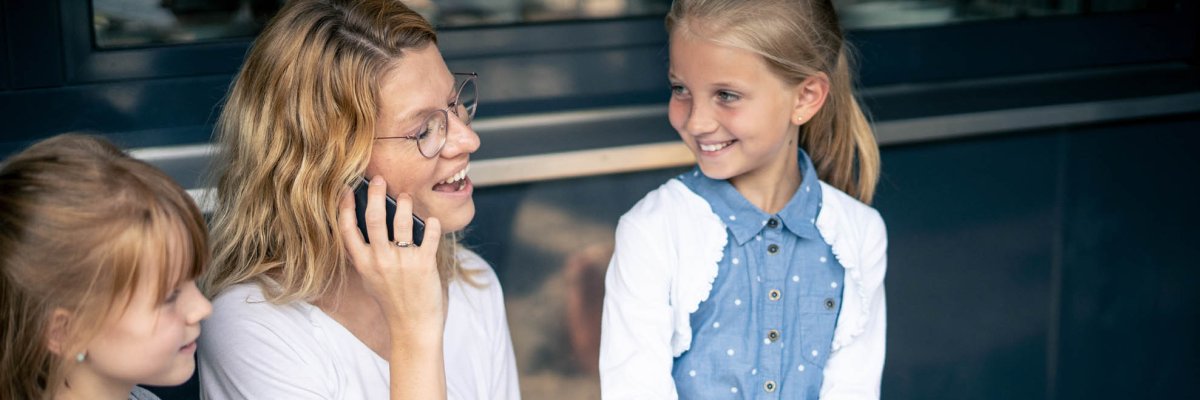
x: 360, y: 208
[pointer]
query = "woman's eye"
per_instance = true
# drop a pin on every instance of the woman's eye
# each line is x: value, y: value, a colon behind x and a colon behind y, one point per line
x: 727, y: 97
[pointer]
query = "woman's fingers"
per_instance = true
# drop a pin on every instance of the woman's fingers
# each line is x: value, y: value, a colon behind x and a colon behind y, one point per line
x: 403, y: 223
x: 348, y: 225
x: 375, y: 214
x: 433, y: 236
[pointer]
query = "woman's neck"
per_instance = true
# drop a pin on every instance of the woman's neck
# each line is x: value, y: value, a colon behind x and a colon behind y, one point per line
x: 353, y: 307
x: 771, y: 186
x: 83, y: 383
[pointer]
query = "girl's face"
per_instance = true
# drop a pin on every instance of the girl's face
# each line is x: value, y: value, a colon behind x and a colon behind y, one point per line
x: 419, y: 85
x: 153, y: 341
x: 734, y: 114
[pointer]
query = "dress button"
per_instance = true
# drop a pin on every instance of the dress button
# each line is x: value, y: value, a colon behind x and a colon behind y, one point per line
x: 773, y: 335
x: 773, y: 249
x: 774, y: 294
x: 829, y: 304
x: 772, y: 223
x: 769, y: 386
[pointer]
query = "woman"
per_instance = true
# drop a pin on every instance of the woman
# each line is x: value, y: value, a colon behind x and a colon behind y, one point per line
x: 304, y: 307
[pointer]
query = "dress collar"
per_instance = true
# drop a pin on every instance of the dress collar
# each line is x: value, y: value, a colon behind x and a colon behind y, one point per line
x: 745, y: 220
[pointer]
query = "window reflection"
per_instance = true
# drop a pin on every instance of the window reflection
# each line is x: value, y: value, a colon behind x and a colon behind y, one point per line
x: 125, y: 23
x: 868, y: 14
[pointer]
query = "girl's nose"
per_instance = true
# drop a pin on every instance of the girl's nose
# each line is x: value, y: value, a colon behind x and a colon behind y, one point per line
x: 199, y: 307
x: 699, y: 120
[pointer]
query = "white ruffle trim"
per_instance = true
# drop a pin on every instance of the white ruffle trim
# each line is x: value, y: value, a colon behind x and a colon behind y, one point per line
x: 706, y: 239
x: 829, y: 221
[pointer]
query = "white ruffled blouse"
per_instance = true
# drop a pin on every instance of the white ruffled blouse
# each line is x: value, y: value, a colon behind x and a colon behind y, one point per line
x: 667, y: 251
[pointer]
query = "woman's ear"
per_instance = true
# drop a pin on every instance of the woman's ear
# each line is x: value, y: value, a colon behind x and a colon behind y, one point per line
x: 810, y: 95
x: 57, y: 331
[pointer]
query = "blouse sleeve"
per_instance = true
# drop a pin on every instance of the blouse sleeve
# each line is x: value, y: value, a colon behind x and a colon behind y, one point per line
x: 504, y: 363
x: 243, y: 355
x: 854, y: 371
x: 636, y: 330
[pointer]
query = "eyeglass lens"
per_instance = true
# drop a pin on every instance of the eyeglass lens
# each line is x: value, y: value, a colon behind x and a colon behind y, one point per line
x: 430, y: 141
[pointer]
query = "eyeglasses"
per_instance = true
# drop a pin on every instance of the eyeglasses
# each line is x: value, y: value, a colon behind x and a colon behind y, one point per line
x: 432, y: 136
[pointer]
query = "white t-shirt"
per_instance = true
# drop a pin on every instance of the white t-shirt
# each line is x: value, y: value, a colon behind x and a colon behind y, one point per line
x: 252, y: 349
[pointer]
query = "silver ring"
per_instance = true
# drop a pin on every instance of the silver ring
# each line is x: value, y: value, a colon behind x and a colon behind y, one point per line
x: 402, y: 244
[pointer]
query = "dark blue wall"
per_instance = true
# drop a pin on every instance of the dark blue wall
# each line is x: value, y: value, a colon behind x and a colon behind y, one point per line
x: 1054, y: 264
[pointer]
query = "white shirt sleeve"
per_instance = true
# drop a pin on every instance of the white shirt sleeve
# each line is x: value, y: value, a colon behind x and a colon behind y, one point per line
x: 245, y: 355
x: 854, y: 371
x: 636, y: 329
x: 504, y: 384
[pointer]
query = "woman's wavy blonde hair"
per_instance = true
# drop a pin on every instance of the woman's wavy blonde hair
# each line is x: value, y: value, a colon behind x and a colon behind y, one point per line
x: 799, y: 39
x: 80, y: 222
x: 296, y: 130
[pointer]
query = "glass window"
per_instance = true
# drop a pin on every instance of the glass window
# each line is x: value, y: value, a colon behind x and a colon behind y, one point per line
x: 868, y: 14
x: 126, y: 23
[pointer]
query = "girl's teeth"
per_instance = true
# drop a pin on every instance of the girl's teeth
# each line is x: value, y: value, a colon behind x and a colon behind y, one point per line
x: 714, y: 147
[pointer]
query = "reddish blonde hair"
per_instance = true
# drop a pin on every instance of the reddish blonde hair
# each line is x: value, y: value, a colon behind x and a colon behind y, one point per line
x: 80, y: 222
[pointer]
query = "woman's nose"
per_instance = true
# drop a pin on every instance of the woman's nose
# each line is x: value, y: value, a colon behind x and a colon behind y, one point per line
x: 460, y: 139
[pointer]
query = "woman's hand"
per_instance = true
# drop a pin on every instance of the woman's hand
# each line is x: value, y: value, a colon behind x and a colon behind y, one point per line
x: 401, y: 276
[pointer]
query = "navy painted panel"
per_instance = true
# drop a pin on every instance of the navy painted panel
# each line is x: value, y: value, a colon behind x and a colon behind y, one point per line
x: 971, y: 228
x: 1131, y: 304
x: 32, y: 29
x: 5, y: 79
x: 141, y: 113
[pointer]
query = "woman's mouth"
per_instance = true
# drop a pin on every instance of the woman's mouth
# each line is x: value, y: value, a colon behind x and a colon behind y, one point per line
x: 455, y: 183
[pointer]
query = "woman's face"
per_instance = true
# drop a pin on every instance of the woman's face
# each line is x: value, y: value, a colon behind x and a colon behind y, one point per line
x: 416, y: 87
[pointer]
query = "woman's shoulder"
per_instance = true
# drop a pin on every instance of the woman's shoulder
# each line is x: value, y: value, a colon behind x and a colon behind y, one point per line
x: 243, y: 308
x: 478, y: 280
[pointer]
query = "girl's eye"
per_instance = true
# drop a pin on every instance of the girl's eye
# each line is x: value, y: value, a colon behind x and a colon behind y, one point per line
x: 727, y: 97
x: 174, y: 295
x: 678, y: 90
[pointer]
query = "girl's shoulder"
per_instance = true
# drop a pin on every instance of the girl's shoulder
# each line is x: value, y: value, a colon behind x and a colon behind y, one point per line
x: 670, y: 201
x: 139, y: 393
x: 842, y: 212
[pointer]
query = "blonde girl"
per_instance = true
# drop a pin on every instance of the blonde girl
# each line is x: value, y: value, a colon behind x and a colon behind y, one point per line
x: 759, y: 274
x: 331, y: 92
x: 98, y: 255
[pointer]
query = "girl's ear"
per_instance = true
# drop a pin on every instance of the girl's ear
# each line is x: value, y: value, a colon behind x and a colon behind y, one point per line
x: 810, y: 95
x: 57, y: 331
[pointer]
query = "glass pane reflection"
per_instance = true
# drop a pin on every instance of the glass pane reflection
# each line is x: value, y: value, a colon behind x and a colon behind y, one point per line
x: 868, y: 14
x: 125, y: 23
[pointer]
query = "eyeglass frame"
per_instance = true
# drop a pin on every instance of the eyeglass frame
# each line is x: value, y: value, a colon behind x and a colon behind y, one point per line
x: 445, y: 112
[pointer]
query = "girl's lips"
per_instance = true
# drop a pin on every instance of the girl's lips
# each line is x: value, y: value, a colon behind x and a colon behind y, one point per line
x: 189, y: 347
x: 709, y: 149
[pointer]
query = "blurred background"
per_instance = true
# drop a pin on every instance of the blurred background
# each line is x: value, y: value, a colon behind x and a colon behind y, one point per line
x: 1038, y: 162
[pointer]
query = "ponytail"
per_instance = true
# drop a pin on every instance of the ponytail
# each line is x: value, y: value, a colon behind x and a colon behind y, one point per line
x: 799, y: 39
x: 839, y: 138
